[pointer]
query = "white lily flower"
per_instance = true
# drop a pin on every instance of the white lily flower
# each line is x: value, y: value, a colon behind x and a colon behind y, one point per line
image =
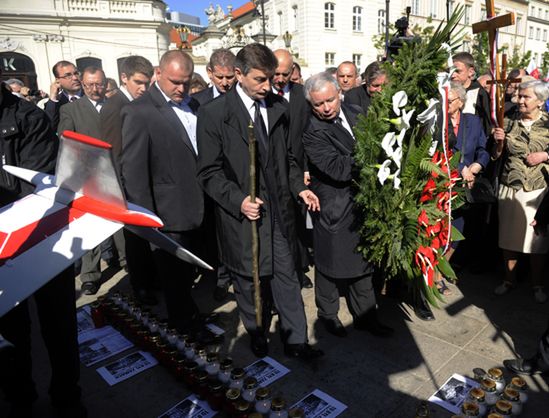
x: 448, y: 49
x: 384, y: 171
x: 388, y: 143
x: 403, y: 122
x: 443, y: 79
x: 400, y: 138
x: 397, y: 157
x: 429, y: 116
x: 396, y: 180
x: 400, y: 99
x: 433, y: 148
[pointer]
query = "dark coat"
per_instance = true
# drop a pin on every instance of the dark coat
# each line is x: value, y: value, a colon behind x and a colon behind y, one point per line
x: 110, y: 122
x: 80, y: 116
x: 358, y: 96
x: 223, y: 172
x: 329, y: 148
x: 158, y: 162
x: 299, y: 116
x: 204, y: 96
x: 470, y: 133
x: 52, y: 108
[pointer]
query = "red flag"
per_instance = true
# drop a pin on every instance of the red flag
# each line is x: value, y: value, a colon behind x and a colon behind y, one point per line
x: 533, y: 68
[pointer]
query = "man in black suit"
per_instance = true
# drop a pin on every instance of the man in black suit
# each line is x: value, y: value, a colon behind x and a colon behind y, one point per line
x: 329, y: 143
x: 299, y: 115
x: 158, y: 165
x: 374, y: 78
x: 135, y: 75
x: 223, y: 172
x: 82, y: 116
x: 221, y: 73
x: 65, y: 89
x: 346, y: 76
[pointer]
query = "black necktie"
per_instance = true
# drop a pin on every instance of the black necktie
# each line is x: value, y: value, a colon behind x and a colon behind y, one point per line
x: 73, y: 98
x: 281, y: 93
x: 261, y: 131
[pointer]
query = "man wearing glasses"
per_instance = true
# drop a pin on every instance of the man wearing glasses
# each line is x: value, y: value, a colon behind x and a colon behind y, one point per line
x: 65, y: 89
x: 82, y: 116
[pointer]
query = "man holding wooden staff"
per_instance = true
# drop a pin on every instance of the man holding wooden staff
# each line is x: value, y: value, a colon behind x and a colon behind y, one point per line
x: 224, y: 173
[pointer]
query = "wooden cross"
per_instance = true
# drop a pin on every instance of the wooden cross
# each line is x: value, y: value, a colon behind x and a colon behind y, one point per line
x: 491, y: 25
x: 503, y: 82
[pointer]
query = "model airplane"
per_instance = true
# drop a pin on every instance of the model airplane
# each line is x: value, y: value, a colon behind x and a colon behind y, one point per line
x: 67, y: 215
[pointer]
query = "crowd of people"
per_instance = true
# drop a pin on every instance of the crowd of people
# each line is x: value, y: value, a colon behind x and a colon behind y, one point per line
x: 181, y: 148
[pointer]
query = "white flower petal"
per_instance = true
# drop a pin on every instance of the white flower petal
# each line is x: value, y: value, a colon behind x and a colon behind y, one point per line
x: 433, y: 148
x: 400, y: 99
x: 396, y: 180
x: 406, y: 116
x: 400, y: 138
x: 388, y: 143
x: 397, y: 157
x: 384, y: 171
x: 448, y: 49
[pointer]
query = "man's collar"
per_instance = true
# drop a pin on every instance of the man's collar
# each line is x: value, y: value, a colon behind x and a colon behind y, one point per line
x: 124, y: 90
x: 248, y: 101
x: 216, y: 92
x: 185, y: 101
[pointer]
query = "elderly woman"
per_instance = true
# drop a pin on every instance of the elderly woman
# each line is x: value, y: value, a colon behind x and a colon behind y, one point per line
x: 466, y: 135
x: 525, y: 141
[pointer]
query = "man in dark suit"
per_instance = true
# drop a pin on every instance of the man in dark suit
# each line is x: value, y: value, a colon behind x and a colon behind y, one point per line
x: 65, y: 89
x: 223, y: 172
x: 346, y: 76
x: 158, y: 165
x: 374, y: 78
x: 135, y: 75
x: 329, y: 143
x: 82, y: 116
x: 299, y: 115
x: 221, y: 73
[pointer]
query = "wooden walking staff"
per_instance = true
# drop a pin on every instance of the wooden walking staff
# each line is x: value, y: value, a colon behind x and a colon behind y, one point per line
x: 491, y: 25
x: 255, y: 237
x: 503, y: 82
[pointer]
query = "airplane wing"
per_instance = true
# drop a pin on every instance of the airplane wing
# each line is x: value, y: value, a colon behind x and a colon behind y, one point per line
x: 36, y: 246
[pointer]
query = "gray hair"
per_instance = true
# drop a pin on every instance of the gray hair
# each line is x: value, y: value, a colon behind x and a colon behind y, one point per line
x: 317, y: 81
x: 541, y: 90
x: 14, y: 81
x: 459, y: 90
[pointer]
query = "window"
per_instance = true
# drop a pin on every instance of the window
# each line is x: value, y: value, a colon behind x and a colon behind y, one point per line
x: 357, y: 60
x: 294, y: 18
x: 538, y: 34
x: 531, y: 32
x: 467, y: 15
x: 483, y: 14
x: 329, y: 15
x: 547, y: 15
x: 539, y: 13
x: 519, y: 25
x: 329, y: 59
x: 381, y: 21
x: 544, y: 35
x: 533, y: 11
x: 415, y: 7
x: 279, y: 22
x: 434, y: 6
x: 357, y: 19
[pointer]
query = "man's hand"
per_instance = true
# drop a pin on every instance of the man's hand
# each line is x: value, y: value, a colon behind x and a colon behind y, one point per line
x: 499, y: 134
x: 539, y: 229
x: 306, y: 178
x: 468, y: 177
x: 310, y: 199
x: 535, y: 158
x: 252, y: 211
x: 54, y: 90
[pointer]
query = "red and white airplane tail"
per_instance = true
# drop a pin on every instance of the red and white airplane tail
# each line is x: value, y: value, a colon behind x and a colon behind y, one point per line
x: 67, y: 215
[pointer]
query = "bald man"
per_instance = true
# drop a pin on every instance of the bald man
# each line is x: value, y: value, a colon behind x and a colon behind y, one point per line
x: 299, y: 115
x: 346, y: 76
x: 158, y: 165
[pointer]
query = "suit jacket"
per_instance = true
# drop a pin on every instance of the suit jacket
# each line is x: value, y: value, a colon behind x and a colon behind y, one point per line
x: 329, y: 148
x: 223, y: 172
x: 80, y: 116
x: 111, y: 122
x: 470, y: 141
x: 52, y: 108
x: 299, y: 115
x: 358, y: 96
x: 158, y: 162
x: 204, y: 96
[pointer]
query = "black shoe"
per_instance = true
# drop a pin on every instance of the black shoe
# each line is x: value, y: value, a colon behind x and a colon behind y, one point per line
x: 259, y: 345
x: 524, y: 366
x: 221, y: 293
x: 89, y: 288
x: 145, y: 297
x: 334, y: 326
x: 423, y: 310
x: 73, y: 410
x: 302, y: 351
x: 207, y: 337
x: 306, y: 283
x: 373, y: 326
x: 210, y: 318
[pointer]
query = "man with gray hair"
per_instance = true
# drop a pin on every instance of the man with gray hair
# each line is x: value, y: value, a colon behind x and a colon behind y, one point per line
x: 15, y: 85
x: 329, y: 143
x: 221, y: 73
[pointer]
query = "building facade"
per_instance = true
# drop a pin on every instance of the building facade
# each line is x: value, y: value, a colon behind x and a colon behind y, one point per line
x: 35, y: 34
x: 537, y: 29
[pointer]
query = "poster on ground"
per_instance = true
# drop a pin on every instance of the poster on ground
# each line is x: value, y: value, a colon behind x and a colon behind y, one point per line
x: 190, y: 407
x: 127, y: 367
x: 453, y: 393
x: 266, y: 370
x: 99, y: 344
x: 318, y: 404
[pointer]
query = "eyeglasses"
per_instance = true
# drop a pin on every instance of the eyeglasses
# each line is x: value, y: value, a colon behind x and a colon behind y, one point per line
x: 452, y: 100
x: 94, y: 85
x: 70, y: 75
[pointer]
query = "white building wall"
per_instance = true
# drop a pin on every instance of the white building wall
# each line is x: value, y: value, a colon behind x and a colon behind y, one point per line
x: 537, y: 28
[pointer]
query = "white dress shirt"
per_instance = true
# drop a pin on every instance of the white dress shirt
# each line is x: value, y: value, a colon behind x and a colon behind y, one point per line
x: 345, y: 123
x: 250, y: 105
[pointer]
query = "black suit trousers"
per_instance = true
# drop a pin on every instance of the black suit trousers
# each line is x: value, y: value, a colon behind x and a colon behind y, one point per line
x: 56, y: 306
x: 177, y: 279
x: 286, y: 294
x: 359, y: 293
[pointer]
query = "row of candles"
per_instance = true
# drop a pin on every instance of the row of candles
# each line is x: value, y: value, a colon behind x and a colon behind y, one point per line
x: 494, y: 397
x: 215, y: 380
